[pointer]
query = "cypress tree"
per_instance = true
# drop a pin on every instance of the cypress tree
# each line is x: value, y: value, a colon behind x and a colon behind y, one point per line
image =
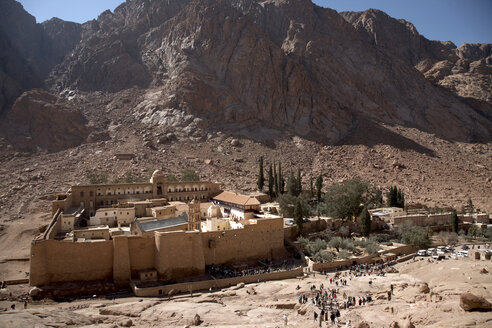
x: 281, y: 181
x: 261, y: 177
x: 298, y: 216
x: 299, y: 182
x: 311, y: 186
x: 454, y: 221
x: 275, y: 180
x: 319, y: 186
x: 292, y: 185
x: 270, y: 181
x: 365, y: 222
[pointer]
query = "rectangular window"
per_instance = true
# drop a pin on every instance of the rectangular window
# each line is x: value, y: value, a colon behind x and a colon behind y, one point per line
x: 81, y: 194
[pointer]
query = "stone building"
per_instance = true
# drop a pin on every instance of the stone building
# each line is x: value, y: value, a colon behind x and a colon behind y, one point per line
x: 237, y: 206
x: 93, y: 197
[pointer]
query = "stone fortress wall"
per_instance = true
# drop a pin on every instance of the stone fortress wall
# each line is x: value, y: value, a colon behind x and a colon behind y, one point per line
x: 173, y: 254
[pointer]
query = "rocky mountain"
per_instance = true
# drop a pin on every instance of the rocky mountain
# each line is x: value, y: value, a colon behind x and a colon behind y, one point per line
x: 29, y: 50
x: 241, y: 65
x: 465, y: 70
x: 214, y: 84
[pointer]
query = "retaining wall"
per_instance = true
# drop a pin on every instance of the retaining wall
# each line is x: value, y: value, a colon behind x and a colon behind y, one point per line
x: 215, y: 284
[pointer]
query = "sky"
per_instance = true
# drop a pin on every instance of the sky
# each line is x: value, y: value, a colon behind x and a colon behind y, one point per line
x: 458, y: 21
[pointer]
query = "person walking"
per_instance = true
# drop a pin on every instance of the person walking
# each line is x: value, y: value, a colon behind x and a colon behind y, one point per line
x: 285, y: 320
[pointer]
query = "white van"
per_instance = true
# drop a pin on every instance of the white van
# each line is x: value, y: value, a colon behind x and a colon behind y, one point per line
x: 431, y: 250
x: 422, y: 252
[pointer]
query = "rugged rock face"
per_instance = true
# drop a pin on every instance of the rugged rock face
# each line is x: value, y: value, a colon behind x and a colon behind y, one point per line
x: 28, y: 50
x: 464, y: 70
x: 250, y: 67
x: 39, y: 120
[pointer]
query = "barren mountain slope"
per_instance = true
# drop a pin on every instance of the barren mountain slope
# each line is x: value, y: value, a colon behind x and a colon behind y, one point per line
x: 465, y: 70
x: 234, y: 65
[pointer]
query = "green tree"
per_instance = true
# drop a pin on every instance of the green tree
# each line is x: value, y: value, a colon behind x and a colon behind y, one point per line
x: 261, y: 177
x: 281, y: 181
x: 292, y: 185
x: 287, y: 204
x: 298, y: 217
x: 400, y: 198
x: 189, y: 175
x: 454, y: 221
x: 319, y: 187
x: 271, y: 192
x: 275, y: 180
x: 311, y: 186
x: 299, y: 182
x: 344, y: 254
x: 414, y: 235
x: 372, y: 248
x: 347, y: 200
x: 172, y: 178
x: 365, y: 222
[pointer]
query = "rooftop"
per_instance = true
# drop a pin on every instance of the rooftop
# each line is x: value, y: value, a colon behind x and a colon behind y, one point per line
x: 233, y: 198
x: 153, y: 225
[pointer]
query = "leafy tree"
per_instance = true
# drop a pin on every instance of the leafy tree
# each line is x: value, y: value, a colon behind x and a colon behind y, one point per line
x: 271, y: 192
x: 97, y: 177
x: 347, y: 200
x: 261, y: 177
x: 327, y: 234
x: 488, y: 234
x: 473, y: 231
x: 341, y: 243
x: 344, y: 231
x: 319, y: 187
x: 414, y: 235
x: 400, y: 198
x: 287, y: 205
x: 189, y: 175
x: 298, y: 217
x: 365, y: 222
x: 454, y: 221
x: 172, y: 178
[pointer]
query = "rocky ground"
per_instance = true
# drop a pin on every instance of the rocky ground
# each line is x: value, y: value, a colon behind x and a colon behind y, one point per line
x: 263, y: 304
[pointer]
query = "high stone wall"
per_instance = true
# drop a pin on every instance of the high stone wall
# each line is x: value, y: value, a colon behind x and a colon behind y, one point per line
x: 58, y: 261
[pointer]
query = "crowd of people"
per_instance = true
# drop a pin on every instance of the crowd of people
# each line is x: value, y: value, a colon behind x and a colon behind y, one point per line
x: 332, y: 298
x: 266, y: 266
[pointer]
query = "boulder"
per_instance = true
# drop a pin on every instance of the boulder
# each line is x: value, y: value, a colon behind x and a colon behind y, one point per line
x: 424, y: 288
x: 394, y: 324
x: 235, y: 143
x: 363, y: 324
x: 484, y: 271
x: 470, y: 302
x: 196, y: 320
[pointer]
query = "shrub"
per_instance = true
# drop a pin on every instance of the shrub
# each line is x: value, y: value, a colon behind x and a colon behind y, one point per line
x: 315, y: 246
x: 344, y: 254
x: 323, y: 256
x: 302, y: 240
x: 415, y: 235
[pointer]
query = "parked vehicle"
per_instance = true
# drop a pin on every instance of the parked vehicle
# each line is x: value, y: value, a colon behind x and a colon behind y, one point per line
x: 464, y: 247
x: 438, y: 256
x: 464, y: 253
x: 422, y: 252
x: 430, y: 251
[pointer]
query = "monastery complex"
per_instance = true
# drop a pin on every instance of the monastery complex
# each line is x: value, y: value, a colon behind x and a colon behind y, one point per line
x: 163, y: 233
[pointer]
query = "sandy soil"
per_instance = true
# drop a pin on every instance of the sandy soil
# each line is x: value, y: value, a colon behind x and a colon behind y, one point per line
x: 234, y: 307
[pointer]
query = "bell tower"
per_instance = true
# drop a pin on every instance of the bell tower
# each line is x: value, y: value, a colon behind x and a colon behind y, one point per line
x: 194, y: 216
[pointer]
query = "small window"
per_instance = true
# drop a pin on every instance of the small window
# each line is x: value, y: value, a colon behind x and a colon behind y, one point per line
x: 81, y: 194
x: 106, y: 213
x: 91, y: 193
